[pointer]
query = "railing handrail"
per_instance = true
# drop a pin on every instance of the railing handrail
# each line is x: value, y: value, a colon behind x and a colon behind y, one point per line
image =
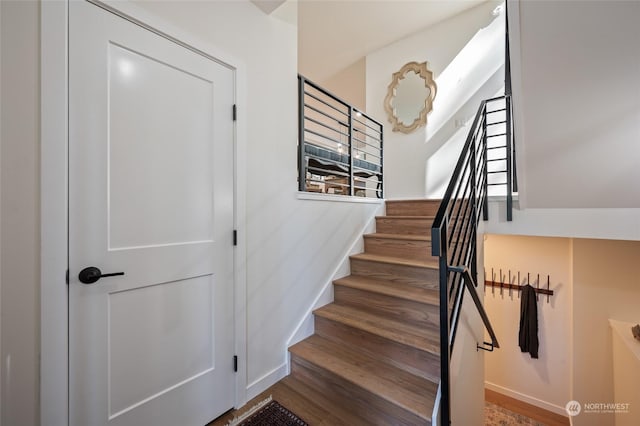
x: 339, y: 125
x: 333, y: 96
x: 471, y: 286
x: 438, y: 221
x: 454, y: 234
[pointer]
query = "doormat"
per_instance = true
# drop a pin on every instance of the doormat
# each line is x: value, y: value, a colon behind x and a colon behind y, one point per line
x: 494, y: 415
x: 268, y: 413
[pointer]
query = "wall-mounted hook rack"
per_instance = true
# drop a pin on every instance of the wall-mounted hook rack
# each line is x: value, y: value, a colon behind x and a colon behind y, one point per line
x: 500, y: 283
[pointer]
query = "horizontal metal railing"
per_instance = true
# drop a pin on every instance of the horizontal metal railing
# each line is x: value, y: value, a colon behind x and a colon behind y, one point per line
x: 340, y: 149
x: 454, y: 234
x: 500, y: 153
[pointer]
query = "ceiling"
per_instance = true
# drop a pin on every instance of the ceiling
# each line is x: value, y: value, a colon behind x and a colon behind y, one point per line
x: 334, y: 34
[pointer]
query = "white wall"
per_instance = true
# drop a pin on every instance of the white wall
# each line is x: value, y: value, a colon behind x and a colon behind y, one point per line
x: 463, y: 76
x: 349, y: 84
x: 1, y: 382
x: 577, y: 100
x: 467, y: 369
x: 613, y: 224
x: 544, y: 382
x: 606, y: 285
x: 19, y: 244
x: 293, y: 246
x: 594, y: 280
x: 467, y: 362
x: 626, y: 373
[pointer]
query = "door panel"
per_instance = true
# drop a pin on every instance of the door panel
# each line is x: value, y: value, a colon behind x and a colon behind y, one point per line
x: 163, y: 333
x: 150, y: 195
x: 167, y: 148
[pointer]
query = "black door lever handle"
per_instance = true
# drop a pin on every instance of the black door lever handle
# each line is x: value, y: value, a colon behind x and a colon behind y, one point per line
x: 92, y: 274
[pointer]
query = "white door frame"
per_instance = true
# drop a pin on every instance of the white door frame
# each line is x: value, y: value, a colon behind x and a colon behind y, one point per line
x: 54, y: 325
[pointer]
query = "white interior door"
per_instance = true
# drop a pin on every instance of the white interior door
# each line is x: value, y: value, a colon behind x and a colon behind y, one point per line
x: 151, y: 195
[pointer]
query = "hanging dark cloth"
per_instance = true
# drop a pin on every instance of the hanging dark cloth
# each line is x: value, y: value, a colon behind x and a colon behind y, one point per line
x: 528, y: 336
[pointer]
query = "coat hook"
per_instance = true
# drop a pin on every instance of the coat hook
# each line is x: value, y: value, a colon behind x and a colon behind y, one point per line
x: 493, y: 282
x: 538, y: 287
x: 548, y: 288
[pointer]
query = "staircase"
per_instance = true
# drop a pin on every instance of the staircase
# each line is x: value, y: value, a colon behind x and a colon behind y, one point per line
x: 374, y: 358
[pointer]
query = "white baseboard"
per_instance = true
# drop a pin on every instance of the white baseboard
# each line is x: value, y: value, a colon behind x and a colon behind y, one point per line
x: 526, y: 398
x: 266, y: 381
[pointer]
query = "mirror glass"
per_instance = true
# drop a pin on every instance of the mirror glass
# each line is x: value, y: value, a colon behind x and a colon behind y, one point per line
x: 409, y: 99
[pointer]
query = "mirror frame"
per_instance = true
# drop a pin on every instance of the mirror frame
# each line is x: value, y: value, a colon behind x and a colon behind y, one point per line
x: 423, y: 71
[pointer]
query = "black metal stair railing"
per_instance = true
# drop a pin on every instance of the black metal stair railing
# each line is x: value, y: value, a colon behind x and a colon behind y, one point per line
x: 482, y: 164
x: 339, y: 148
x: 498, y: 125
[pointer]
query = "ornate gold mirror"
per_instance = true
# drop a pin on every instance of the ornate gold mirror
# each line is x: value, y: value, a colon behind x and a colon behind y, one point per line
x: 410, y: 97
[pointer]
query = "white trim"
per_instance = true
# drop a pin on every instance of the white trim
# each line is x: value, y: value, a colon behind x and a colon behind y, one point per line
x: 237, y: 420
x: 516, y: 89
x: 54, y: 398
x: 613, y: 224
x: 1, y: 382
x: 435, y: 413
x: 53, y: 210
x: 339, y: 198
x: 240, y: 257
x: 269, y: 379
x: 526, y: 398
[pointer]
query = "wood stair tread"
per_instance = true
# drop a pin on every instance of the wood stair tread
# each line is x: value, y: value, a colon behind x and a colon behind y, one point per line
x: 399, y: 217
x: 430, y: 264
x: 424, y: 337
x: 398, y: 290
x: 408, y: 237
x: 317, y: 408
x: 392, y: 384
x: 415, y: 200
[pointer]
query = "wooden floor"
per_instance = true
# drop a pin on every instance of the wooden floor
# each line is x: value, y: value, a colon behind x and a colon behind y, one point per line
x: 306, y: 403
x: 312, y: 407
x: 520, y: 407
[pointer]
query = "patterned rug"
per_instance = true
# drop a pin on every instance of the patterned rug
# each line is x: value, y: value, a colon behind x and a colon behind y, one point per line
x: 268, y: 413
x: 495, y: 415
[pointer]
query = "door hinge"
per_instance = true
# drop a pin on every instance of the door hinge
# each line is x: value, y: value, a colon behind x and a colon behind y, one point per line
x: 235, y: 363
x: 235, y: 112
x: 235, y: 237
x: 66, y: 277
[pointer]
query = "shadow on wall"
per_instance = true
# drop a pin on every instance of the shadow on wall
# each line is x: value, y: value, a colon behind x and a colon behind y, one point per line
x: 444, y: 147
x: 466, y: 54
x: 475, y: 74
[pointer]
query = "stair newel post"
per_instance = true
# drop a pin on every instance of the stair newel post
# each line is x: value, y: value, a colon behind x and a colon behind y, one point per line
x: 507, y: 100
x: 439, y: 238
x: 381, y: 178
x: 485, y: 151
x: 351, y: 152
x: 474, y: 206
x: 302, y: 172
